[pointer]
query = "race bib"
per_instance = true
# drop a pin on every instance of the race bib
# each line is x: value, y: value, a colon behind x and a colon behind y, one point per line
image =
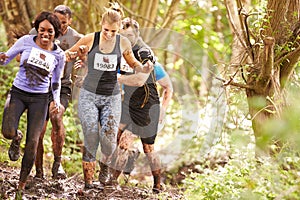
x: 105, y: 62
x: 125, y: 67
x: 41, y: 59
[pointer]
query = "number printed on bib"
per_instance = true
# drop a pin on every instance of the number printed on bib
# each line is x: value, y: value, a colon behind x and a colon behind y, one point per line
x: 41, y: 59
x: 104, y: 62
x: 125, y: 67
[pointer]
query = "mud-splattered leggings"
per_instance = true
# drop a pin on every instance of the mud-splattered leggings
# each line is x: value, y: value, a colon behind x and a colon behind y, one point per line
x: 92, y: 109
x: 36, y: 105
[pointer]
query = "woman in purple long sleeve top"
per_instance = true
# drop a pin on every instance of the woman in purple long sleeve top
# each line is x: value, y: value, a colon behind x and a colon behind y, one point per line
x: 41, y: 63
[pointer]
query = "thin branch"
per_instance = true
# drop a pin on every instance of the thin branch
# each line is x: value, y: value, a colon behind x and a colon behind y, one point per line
x: 245, y: 29
x: 274, y: 105
x: 131, y: 13
x: 260, y: 111
x: 237, y: 33
x: 232, y: 83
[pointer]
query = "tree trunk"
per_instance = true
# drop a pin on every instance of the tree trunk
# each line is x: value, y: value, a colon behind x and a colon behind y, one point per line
x: 268, y: 69
x: 273, y: 71
x: 10, y: 12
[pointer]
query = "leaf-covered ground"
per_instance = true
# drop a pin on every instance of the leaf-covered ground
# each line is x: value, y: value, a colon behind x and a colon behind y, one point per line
x: 72, y: 188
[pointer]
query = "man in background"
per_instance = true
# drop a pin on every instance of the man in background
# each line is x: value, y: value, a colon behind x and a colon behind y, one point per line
x: 141, y: 110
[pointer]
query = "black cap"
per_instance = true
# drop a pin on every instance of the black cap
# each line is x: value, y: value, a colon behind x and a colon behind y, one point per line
x: 62, y: 9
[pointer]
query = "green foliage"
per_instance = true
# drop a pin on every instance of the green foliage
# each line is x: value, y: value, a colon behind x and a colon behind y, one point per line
x: 287, y: 128
x: 7, y: 75
x: 73, y: 142
x: 245, y: 179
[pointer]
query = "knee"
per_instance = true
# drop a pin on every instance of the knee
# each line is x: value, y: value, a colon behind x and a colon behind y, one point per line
x: 148, y: 148
x: 126, y: 139
x: 33, y: 143
x: 55, y: 117
x: 8, y: 132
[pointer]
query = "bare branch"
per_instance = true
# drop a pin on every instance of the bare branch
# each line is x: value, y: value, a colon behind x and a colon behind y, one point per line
x: 132, y: 14
x: 241, y: 39
x: 232, y: 83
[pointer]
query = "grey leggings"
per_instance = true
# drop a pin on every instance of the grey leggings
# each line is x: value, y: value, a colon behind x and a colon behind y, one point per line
x: 97, y: 111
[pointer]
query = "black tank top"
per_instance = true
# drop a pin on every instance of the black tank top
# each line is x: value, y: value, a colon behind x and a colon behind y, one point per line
x: 102, y: 69
x: 144, y: 96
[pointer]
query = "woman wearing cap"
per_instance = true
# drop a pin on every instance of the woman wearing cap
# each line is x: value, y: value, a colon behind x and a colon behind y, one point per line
x: 40, y: 59
x: 100, y: 98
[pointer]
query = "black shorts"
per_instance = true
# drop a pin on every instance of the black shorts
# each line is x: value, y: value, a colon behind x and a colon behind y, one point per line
x: 65, y: 97
x: 141, y: 121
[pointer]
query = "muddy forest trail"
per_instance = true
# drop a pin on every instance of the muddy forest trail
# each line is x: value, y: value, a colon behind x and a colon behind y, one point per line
x: 71, y: 188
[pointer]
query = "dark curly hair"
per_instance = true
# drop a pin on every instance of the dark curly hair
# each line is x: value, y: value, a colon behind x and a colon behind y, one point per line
x: 52, y: 18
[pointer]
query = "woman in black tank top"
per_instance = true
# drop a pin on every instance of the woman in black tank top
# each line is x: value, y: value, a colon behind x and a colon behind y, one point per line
x: 99, y: 101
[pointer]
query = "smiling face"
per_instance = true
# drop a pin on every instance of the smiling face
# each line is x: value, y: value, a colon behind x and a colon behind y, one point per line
x: 45, y: 35
x: 110, y: 30
x: 111, y: 24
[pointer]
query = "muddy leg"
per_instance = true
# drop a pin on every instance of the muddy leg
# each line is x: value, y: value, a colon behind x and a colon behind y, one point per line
x: 155, y: 166
x: 58, y: 140
x: 40, y: 154
x: 122, y: 153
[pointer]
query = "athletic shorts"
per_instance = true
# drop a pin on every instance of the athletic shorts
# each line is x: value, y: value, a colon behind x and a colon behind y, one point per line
x: 141, y: 121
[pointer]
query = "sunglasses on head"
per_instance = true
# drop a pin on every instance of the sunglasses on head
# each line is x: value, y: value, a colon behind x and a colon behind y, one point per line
x: 116, y: 9
x: 130, y: 23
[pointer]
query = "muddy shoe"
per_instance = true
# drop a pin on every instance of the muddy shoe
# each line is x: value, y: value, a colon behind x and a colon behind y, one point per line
x: 105, y: 177
x: 21, y: 185
x: 93, y: 185
x: 132, y: 157
x: 57, y: 171
x: 39, y: 174
x: 14, y: 149
x: 158, y: 188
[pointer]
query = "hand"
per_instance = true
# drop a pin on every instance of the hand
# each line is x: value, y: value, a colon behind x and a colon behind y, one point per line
x: 82, y: 52
x: 145, y: 54
x: 119, y: 78
x: 148, y: 67
x: 70, y: 55
x: 162, y: 114
x: 57, y: 107
x: 79, y: 64
x: 3, y: 58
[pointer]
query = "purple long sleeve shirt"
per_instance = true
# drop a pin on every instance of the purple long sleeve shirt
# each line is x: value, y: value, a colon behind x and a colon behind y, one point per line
x: 37, y: 66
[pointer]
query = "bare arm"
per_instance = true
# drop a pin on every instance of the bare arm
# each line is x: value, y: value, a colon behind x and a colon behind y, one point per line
x: 81, y: 48
x: 135, y: 64
x: 133, y: 79
x: 167, y: 94
x: 142, y: 72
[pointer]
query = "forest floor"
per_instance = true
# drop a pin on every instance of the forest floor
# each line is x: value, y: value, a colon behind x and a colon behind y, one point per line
x: 72, y: 188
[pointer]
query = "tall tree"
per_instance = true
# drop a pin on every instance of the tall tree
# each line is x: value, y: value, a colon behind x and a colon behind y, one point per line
x: 267, y: 56
x: 17, y: 15
x: 10, y: 12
